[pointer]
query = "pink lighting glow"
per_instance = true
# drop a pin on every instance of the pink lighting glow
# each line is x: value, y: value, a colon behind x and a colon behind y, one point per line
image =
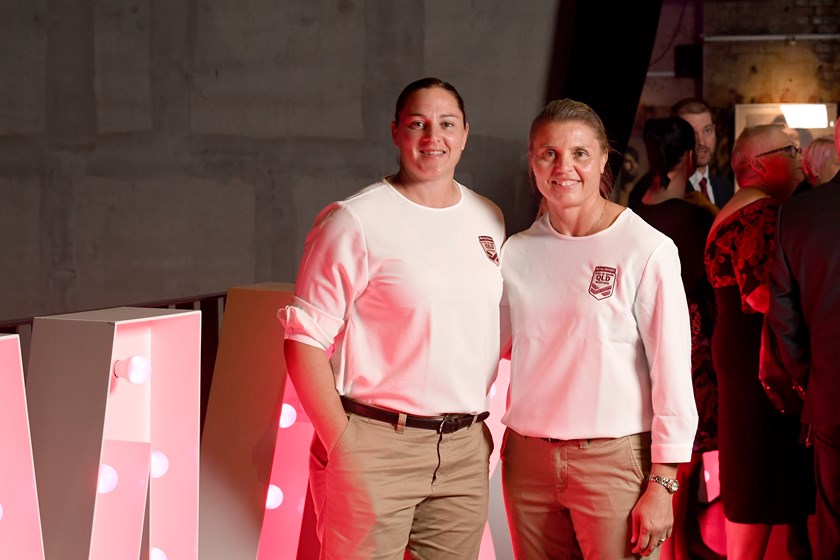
x: 288, y: 416
x: 291, y: 472
x: 92, y: 370
x: 108, y: 479
x: 20, y: 530
x: 135, y: 369
x: 274, y: 498
x: 160, y: 464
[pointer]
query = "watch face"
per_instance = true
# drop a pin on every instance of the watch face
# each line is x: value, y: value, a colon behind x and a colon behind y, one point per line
x: 670, y: 484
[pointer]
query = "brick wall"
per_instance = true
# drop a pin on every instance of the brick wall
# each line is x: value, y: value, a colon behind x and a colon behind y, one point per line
x: 790, y: 66
x: 795, y: 63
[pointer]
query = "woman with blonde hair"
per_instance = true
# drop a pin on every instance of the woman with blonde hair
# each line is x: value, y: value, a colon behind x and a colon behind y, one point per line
x: 601, y: 408
x: 820, y: 161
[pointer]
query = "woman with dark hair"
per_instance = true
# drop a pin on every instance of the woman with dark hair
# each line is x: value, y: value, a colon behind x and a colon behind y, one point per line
x: 392, y: 343
x: 670, y: 149
x: 600, y: 408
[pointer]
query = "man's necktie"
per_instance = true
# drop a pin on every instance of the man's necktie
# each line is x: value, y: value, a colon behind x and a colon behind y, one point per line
x: 704, y: 187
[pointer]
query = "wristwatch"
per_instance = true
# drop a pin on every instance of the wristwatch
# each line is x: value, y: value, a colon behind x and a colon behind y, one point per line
x: 670, y: 484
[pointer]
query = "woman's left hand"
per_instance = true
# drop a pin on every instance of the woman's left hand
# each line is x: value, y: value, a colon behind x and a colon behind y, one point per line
x: 653, y: 518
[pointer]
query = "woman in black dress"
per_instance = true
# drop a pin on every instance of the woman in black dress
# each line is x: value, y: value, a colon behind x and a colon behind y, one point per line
x: 670, y: 150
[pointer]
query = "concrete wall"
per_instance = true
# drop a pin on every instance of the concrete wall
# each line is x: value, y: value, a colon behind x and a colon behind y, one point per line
x: 153, y: 149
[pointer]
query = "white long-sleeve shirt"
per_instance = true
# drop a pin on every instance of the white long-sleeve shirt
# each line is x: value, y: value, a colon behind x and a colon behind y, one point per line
x: 409, y: 297
x: 601, y: 341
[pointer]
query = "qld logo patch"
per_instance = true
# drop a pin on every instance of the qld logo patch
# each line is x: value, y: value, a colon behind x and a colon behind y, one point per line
x: 489, y: 248
x: 602, y: 284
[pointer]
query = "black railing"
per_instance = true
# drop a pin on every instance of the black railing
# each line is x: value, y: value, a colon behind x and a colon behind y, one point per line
x: 211, y: 307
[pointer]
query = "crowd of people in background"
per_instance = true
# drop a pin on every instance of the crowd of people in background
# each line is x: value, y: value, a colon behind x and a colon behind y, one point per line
x: 636, y: 336
x: 729, y: 244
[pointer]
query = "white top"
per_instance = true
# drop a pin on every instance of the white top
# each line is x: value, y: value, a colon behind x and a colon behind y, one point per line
x: 409, y: 297
x: 601, y: 336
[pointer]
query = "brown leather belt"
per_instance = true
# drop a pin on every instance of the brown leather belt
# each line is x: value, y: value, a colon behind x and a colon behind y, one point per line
x: 445, y: 424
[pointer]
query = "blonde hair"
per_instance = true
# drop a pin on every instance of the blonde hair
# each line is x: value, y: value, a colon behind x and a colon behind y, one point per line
x: 564, y: 110
x: 814, y: 156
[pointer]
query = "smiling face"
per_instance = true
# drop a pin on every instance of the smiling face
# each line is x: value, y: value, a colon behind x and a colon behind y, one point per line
x: 567, y: 161
x: 430, y: 134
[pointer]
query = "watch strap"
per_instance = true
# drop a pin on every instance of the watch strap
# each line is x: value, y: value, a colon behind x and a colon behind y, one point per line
x: 670, y: 484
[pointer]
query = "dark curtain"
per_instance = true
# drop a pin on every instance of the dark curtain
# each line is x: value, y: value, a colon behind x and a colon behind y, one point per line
x: 601, y: 56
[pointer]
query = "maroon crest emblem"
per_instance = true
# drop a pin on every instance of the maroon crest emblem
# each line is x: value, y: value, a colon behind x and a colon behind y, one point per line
x: 489, y: 248
x: 603, y: 282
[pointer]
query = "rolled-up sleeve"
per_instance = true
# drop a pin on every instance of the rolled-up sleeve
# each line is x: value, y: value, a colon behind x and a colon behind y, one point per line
x: 663, y: 321
x: 332, y: 274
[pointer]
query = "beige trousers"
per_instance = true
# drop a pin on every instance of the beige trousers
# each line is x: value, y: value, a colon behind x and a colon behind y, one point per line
x: 380, y: 492
x: 572, y: 499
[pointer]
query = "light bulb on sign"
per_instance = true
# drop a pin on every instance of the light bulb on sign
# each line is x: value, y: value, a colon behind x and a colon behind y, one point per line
x: 135, y: 369
x: 1, y: 512
x: 108, y: 479
x: 492, y: 390
x: 288, y: 415
x: 274, y: 498
x: 160, y: 464
x: 157, y: 554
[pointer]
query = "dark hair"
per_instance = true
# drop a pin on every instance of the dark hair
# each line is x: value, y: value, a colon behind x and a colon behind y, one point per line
x: 427, y: 83
x: 666, y: 141
x: 691, y: 105
x: 562, y: 110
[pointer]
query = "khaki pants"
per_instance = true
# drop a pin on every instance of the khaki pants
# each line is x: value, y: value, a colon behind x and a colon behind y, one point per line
x: 572, y: 499
x: 380, y: 492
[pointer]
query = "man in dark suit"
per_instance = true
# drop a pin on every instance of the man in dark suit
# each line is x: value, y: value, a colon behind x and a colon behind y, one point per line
x: 805, y: 316
x: 698, y: 114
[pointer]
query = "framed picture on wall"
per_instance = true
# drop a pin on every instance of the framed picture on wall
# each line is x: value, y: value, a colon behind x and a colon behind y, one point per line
x: 803, y: 122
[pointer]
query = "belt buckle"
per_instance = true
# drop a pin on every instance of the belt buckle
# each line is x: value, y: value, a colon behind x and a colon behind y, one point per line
x: 455, y: 421
x: 441, y: 428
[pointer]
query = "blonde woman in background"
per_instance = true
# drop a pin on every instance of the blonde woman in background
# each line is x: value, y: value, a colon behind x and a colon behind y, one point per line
x: 820, y: 161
